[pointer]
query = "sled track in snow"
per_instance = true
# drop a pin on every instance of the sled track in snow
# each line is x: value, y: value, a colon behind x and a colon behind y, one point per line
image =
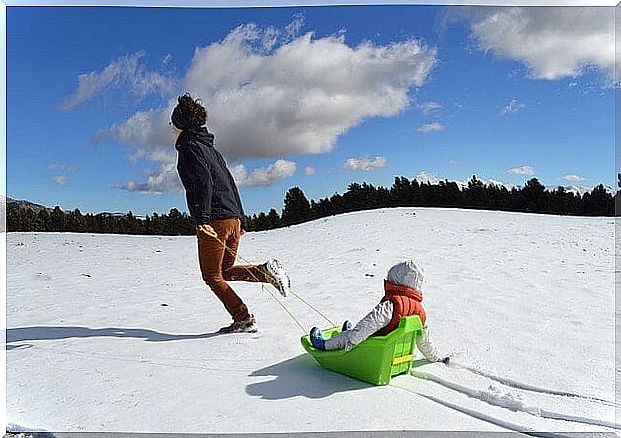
x: 508, y: 402
x: 484, y: 417
x: 526, y: 387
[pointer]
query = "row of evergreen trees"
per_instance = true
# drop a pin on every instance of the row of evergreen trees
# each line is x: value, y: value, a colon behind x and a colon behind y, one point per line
x: 26, y: 219
x: 533, y: 197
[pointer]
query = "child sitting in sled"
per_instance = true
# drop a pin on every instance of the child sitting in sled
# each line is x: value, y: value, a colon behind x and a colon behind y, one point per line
x: 403, y: 296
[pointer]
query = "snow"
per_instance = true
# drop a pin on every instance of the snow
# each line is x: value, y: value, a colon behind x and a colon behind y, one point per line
x: 116, y: 333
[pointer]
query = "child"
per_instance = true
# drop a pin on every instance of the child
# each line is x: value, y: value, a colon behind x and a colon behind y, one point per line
x: 403, y: 296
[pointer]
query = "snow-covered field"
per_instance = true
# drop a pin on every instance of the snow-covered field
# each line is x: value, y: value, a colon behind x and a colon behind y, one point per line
x: 116, y: 333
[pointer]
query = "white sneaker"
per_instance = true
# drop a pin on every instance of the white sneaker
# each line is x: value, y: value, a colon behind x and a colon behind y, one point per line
x: 277, y: 276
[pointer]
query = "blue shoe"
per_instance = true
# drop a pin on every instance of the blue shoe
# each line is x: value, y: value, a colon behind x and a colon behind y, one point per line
x: 317, y: 339
x: 347, y: 325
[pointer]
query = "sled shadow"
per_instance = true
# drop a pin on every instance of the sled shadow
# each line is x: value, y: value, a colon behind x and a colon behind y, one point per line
x: 49, y: 333
x: 301, y: 376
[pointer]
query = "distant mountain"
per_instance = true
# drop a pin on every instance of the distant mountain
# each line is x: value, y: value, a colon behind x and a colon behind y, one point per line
x: 424, y: 177
x: 21, y: 204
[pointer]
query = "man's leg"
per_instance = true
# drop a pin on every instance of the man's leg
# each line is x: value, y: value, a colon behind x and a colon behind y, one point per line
x: 211, y: 254
x: 239, y: 272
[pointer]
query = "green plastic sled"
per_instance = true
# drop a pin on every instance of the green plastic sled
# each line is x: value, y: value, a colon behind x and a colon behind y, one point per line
x: 376, y: 359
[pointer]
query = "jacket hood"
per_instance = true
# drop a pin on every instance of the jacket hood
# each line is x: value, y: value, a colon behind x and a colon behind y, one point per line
x: 197, y: 135
x: 408, y: 273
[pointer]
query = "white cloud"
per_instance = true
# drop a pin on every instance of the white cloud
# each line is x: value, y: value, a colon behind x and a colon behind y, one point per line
x: 309, y: 170
x: 128, y: 71
x: 365, y: 164
x: 431, y: 127
x: 554, y: 42
x: 264, y: 176
x: 61, y: 166
x: 524, y: 170
x: 512, y: 107
x: 148, y: 135
x: 61, y: 180
x: 165, y: 179
x: 270, y: 93
x: 573, y: 178
x: 455, y: 162
x: 427, y: 107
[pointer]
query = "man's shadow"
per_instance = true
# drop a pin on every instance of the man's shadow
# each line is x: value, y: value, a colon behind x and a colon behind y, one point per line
x: 301, y: 376
x: 47, y: 333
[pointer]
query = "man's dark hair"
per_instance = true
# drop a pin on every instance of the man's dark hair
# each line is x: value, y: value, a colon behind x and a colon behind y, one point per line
x: 191, y: 112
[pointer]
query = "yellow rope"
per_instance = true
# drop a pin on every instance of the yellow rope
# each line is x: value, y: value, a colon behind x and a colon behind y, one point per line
x: 286, y: 310
x: 238, y: 257
x: 312, y: 307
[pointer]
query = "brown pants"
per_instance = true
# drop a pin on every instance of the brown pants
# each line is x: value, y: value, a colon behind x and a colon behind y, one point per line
x: 217, y: 262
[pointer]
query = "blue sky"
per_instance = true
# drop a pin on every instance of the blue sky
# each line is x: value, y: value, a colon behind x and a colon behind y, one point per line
x: 315, y: 97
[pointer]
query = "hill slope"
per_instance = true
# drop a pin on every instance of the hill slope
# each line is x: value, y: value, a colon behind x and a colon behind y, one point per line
x: 115, y: 333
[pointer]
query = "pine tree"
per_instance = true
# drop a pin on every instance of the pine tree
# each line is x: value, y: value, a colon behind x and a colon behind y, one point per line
x: 297, y: 208
x: 273, y: 219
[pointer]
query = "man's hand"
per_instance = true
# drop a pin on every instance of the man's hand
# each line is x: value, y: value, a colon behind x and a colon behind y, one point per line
x: 208, y: 229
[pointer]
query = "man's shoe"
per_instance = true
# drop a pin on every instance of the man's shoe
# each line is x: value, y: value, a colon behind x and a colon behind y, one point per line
x: 347, y: 325
x: 246, y: 325
x: 277, y: 276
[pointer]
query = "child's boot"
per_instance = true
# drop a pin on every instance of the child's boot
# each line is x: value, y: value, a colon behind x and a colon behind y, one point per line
x: 317, y: 339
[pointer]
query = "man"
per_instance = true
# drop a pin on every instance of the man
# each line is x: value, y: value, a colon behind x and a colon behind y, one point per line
x: 214, y: 204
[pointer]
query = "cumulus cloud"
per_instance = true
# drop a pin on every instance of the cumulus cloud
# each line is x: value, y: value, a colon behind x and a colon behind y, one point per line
x: 573, y: 178
x: 524, y: 170
x: 428, y: 107
x: 309, y: 170
x: 60, y: 180
x: 512, y: 107
x: 365, y: 164
x: 147, y: 133
x: 553, y: 42
x: 264, y: 176
x: 431, y: 127
x: 163, y: 180
x: 270, y: 93
x: 129, y: 71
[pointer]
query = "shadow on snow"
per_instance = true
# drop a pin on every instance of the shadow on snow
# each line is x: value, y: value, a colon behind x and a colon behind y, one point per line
x: 301, y: 376
x: 46, y: 333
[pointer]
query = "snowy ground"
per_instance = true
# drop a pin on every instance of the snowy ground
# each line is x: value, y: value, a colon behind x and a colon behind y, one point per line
x: 116, y: 333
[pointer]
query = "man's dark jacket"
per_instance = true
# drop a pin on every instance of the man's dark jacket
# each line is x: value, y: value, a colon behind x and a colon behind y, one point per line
x: 209, y: 186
